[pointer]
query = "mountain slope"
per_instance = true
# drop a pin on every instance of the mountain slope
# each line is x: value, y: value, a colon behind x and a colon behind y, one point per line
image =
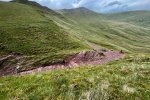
x: 82, y: 14
x: 34, y: 36
x: 107, y: 32
x: 24, y: 30
x: 46, y: 36
x: 133, y: 17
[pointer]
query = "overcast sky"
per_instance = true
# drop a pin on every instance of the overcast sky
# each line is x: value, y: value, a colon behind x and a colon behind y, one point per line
x: 97, y: 5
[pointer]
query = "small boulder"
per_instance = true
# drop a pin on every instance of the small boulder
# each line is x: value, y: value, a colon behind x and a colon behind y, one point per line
x: 121, y: 51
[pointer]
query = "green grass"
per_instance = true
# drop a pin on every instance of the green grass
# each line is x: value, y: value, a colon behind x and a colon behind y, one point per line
x: 119, y: 80
x: 24, y: 29
x: 29, y: 32
x: 113, y: 31
x: 45, y: 37
x: 134, y: 17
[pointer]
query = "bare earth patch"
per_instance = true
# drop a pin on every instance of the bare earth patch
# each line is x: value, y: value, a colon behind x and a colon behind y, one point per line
x: 94, y: 57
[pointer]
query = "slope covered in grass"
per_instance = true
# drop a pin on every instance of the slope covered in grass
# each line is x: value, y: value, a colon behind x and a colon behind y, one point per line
x: 113, y: 31
x: 38, y: 36
x: 25, y: 30
x: 119, y: 80
x: 44, y: 36
x: 134, y: 17
x: 82, y: 14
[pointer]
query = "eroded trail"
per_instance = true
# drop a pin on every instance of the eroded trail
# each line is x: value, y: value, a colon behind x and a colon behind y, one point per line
x: 83, y: 58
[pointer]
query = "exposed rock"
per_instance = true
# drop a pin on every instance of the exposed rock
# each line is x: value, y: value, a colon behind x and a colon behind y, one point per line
x: 8, y: 64
x: 94, y: 57
x: 3, y: 59
x: 82, y: 58
x: 121, y: 51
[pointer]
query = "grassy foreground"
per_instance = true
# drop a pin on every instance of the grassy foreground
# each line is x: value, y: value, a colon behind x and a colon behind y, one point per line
x: 127, y: 79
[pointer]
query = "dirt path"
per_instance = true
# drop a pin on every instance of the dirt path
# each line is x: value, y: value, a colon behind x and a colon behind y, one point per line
x: 82, y: 58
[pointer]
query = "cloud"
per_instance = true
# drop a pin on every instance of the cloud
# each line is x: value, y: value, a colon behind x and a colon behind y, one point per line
x: 114, y: 3
x: 140, y: 5
x: 5, y: 0
x: 56, y: 4
x: 97, y: 5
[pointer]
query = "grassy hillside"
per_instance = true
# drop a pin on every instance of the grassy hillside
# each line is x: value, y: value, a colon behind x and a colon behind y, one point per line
x: 133, y: 17
x: 82, y: 14
x: 106, y: 31
x: 44, y: 35
x: 119, y: 80
x: 38, y: 36
x: 25, y: 30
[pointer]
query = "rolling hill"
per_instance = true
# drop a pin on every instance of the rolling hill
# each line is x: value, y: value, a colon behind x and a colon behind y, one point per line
x: 33, y: 37
x: 43, y: 36
x: 134, y: 17
x: 114, y: 31
x: 24, y: 30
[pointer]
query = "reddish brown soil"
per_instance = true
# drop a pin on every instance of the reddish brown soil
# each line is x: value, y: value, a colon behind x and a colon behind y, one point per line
x: 82, y: 58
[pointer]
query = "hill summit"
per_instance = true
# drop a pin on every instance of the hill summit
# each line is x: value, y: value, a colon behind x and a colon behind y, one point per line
x: 20, y: 1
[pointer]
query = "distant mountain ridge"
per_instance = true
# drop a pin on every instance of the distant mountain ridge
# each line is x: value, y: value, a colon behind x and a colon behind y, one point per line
x: 140, y: 17
x: 80, y: 9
